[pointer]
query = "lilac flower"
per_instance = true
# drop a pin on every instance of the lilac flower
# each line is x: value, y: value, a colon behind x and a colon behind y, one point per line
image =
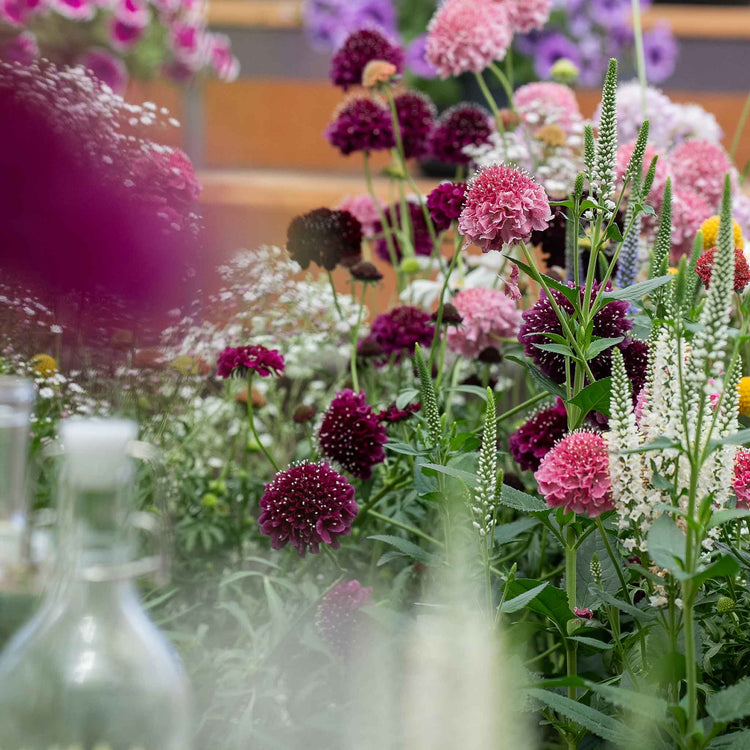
x: 551, y: 48
x: 610, y: 13
x: 660, y: 49
x: 415, y: 58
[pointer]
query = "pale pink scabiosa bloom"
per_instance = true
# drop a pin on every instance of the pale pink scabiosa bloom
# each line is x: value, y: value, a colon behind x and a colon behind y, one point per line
x: 545, y: 102
x: 741, y: 481
x: 689, y: 211
x: 364, y: 209
x: 701, y: 165
x: 106, y: 67
x: 352, y: 435
x: 488, y: 316
x: 624, y: 154
x: 503, y: 206
x: 527, y: 15
x: 238, y: 361
x: 467, y: 35
x: 337, y: 615
x: 575, y: 475
x: 306, y: 505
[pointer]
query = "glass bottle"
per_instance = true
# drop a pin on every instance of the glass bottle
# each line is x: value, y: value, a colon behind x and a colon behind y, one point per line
x: 16, y: 598
x: 90, y: 669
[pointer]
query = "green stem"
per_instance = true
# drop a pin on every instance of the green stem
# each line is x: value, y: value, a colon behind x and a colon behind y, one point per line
x: 335, y: 296
x: 493, y: 106
x: 405, y: 527
x: 640, y: 58
x: 441, y: 303
x: 355, y: 337
x: 522, y: 407
x: 504, y: 82
x: 740, y: 128
x: 251, y: 422
x: 570, y: 590
x: 690, y: 666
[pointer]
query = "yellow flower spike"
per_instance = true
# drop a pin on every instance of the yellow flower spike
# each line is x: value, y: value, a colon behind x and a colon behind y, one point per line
x: 44, y: 365
x: 710, y: 230
x: 672, y: 270
x: 744, y: 392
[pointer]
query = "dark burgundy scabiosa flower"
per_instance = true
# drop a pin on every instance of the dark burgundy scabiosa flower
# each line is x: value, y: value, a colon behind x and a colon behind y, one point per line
x: 238, y: 361
x: 338, y: 612
x: 352, y: 435
x: 445, y: 203
x: 420, y: 234
x: 458, y: 127
x: 369, y: 348
x: 635, y: 357
x: 451, y: 315
x: 307, y: 504
x: 359, y: 48
x: 361, y: 124
x: 705, y: 265
x: 303, y: 413
x: 416, y: 118
x: 365, y: 271
x: 611, y: 321
x: 400, y: 329
x: 531, y: 442
x: 325, y: 237
x: 393, y: 414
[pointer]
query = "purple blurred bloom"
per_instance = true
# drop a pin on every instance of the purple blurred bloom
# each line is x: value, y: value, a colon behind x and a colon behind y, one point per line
x: 660, y: 49
x: 380, y: 13
x: 415, y: 59
x: 526, y: 44
x: 551, y: 48
x: 329, y: 22
x: 611, y: 13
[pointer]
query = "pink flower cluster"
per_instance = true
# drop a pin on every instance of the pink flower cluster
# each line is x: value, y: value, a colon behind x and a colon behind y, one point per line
x: 488, y: 317
x: 187, y: 48
x: 741, y: 483
x: 575, y: 474
x: 503, y: 205
x: 240, y: 360
x: 544, y: 103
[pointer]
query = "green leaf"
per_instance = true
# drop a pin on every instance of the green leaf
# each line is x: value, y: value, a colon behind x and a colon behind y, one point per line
x: 408, y: 548
x: 720, y: 517
x: 538, y: 377
x: 614, y: 233
x: 739, y: 438
x: 723, y: 567
x: 595, y: 721
x: 658, y: 444
x: 733, y: 741
x: 551, y: 602
x: 597, y: 346
x: 593, y: 642
x: 507, y: 532
x: 406, y: 397
x: 404, y: 448
x: 629, y: 609
x: 635, y: 292
x: 519, y: 602
x: 594, y: 397
x: 475, y: 390
x: 730, y: 704
x: 642, y: 704
x: 566, y: 351
x: 513, y: 498
x: 572, y: 295
x: 464, y: 476
x: 666, y: 545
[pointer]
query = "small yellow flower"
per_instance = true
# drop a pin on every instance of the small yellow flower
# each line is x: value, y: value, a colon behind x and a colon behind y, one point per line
x: 44, y: 365
x: 672, y: 270
x: 710, y: 230
x: 552, y: 135
x: 185, y: 365
x: 744, y: 391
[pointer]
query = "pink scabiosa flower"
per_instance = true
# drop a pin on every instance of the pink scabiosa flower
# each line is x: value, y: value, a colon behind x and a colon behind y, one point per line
x: 689, y: 211
x: 701, y: 165
x: 624, y: 154
x: 416, y: 118
x: 741, y: 480
x: 532, y: 441
x: 361, y: 47
x: 460, y: 126
x: 487, y: 317
x: 352, y: 435
x: 445, y: 203
x: 503, y: 205
x: 360, y: 124
x: 224, y: 63
x: 575, y: 475
x: 583, y: 613
x: 22, y: 49
x: 527, y: 15
x: 238, y: 361
x: 364, y: 209
x: 544, y: 102
x: 325, y: 237
x: 467, y: 35
x: 129, y: 21
x: 306, y: 505
x: 400, y: 329
x: 18, y: 12
x: 420, y: 233
x: 337, y: 615
x: 705, y: 264
x: 106, y: 67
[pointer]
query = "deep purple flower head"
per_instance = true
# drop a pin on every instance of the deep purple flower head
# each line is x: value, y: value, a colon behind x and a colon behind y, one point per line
x: 420, y: 234
x: 458, y: 127
x: 416, y: 118
x: 635, y: 357
x: 393, y: 414
x: 611, y: 321
x: 351, y: 434
x: 325, y: 237
x: 336, y: 618
x: 531, y: 442
x: 360, y: 48
x: 400, y: 329
x: 307, y: 504
x: 445, y: 203
x: 238, y: 361
x: 361, y: 124
x: 416, y: 61
x: 660, y: 49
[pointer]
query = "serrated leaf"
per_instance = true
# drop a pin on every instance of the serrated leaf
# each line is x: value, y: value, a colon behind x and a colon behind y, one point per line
x: 730, y: 704
x: 571, y: 294
x: 519, y: 602
x: 720, y: 517
x: 596, y: 347
x: 592, y: 642
x: 551, y: 602
x: 414, y: 551
x: 464, y: 476
x: 652, y: 706
x: 595, y: 397
x: 566, y: 351
x: 507, y: 532
x: 666, y: 545
x: 634, y: 292
x: 513, y: 498
x: 614, y: 233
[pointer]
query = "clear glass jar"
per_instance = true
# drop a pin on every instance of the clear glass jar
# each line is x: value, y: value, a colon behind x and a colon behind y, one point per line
x: 91, y: 669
